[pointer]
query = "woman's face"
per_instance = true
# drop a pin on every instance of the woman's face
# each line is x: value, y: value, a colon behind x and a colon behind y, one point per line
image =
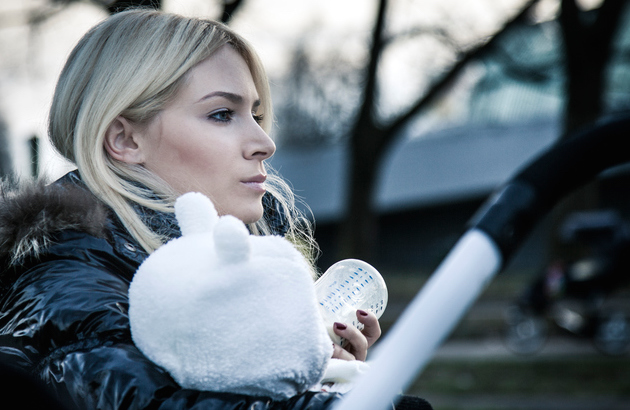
x: 208, y: 139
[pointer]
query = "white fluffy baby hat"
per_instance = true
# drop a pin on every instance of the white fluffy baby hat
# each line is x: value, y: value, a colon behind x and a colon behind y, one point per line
x: 222, y: 310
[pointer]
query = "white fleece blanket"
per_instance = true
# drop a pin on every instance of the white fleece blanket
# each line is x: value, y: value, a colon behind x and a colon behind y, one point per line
x: 222, y: 310
x: 341, y: 375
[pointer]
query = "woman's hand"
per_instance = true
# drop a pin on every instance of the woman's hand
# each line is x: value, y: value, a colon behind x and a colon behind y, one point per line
x: 357, y: 342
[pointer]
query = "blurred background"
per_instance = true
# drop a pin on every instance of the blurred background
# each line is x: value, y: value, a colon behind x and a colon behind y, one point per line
x: 395, y: 120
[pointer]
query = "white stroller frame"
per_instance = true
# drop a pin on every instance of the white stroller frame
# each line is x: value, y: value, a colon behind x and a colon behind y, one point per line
x: 495, y: 233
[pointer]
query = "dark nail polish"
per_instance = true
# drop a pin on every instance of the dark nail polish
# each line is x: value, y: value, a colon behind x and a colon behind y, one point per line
x: 340, y: 326
x: 362, y: 312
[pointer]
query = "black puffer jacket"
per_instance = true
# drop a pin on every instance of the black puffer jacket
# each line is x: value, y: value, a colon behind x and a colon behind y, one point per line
x: 67, y: 263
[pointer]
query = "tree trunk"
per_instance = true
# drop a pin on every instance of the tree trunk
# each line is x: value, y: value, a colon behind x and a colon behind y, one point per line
x: 588, y: 48
x: 359, y: 232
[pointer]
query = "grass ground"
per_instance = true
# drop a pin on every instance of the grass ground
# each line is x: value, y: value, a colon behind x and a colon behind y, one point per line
x: 584, y: 379
x: 589, y: 383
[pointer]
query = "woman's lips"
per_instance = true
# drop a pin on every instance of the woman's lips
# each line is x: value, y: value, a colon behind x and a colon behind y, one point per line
x: 256, y: 183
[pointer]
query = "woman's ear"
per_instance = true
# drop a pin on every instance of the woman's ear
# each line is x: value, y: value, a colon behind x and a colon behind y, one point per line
x: 121, y: 142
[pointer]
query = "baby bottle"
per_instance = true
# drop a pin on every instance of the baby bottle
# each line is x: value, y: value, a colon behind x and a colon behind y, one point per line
x: 346, y: 286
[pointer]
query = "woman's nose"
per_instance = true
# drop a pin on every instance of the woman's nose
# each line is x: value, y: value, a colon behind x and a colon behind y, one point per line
x: 261, y: 145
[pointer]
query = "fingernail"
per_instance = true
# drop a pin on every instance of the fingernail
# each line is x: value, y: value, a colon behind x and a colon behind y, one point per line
x: 362, y: 312
x: 340, y: 326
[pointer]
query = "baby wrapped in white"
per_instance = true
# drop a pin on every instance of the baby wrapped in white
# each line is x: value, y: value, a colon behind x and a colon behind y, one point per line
x: 223, y: 310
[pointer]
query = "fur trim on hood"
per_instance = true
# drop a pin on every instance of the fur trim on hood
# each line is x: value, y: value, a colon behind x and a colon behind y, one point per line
x: 30, y: 216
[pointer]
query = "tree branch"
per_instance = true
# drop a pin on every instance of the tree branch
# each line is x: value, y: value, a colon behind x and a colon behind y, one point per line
x: 229, y: 8
x: 455, y: 70
x: 434, y: 32
x: 117, y: 6
x: 369, y: 96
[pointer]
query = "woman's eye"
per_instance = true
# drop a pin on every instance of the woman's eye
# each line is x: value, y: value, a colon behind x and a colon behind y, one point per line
x: 258, y: 118
x: 222, y: 116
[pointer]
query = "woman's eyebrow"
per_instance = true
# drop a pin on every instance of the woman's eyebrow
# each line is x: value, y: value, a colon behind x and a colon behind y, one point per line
x: 235, y: 98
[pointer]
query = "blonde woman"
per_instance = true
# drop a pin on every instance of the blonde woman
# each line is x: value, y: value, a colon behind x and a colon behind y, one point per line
x: 148, y: 106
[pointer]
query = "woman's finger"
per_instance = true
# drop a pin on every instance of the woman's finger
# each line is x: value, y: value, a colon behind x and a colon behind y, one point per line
x: 354, y: 341
x: 371, y: 327
x: 341, y: 353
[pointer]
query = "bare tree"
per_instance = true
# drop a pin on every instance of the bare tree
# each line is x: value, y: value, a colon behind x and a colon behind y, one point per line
x: 371, y: 137
x: 586, y: 52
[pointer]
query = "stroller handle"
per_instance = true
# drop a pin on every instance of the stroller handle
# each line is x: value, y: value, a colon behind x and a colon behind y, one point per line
x: 513, y: 210
x: 494, y: 233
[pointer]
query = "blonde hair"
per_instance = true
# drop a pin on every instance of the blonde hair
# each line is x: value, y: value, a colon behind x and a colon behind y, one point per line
x: 132, y: 64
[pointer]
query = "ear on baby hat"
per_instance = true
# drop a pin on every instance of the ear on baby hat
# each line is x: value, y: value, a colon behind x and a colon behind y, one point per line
x: 195, y: 213
x: 231, y: 240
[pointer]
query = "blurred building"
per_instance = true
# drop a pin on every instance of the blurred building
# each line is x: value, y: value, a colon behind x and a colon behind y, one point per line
x: 428, y: 189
